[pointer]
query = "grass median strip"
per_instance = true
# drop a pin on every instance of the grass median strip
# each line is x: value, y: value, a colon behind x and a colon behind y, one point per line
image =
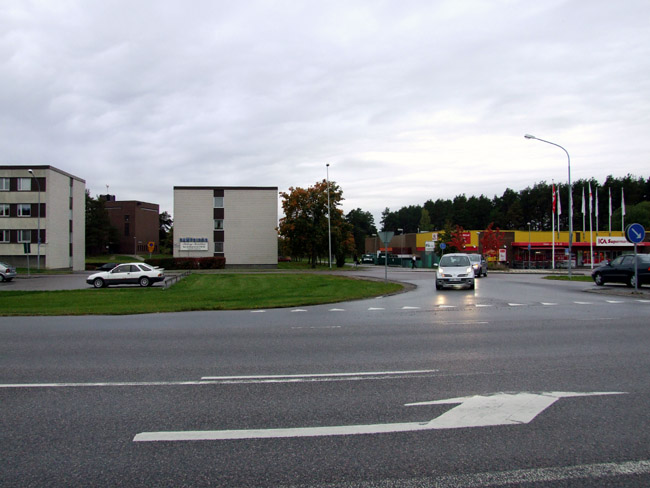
x: 197, y: 292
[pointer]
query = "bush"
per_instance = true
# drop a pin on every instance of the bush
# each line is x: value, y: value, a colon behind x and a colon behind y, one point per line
x: 189, y: 263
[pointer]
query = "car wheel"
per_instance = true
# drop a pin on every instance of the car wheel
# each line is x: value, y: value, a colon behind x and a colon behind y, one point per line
x: 98, y: 283
x: 598, y: 278
x: 438, y: 286
x: 632, y: 281
x: 472, y: 285
x: 144, y: 281
x: 2, y: 278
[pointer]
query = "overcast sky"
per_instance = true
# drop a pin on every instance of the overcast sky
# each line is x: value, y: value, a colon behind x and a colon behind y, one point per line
x: 407, y: 100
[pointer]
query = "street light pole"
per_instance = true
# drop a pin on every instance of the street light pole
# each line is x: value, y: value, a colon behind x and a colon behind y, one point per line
x: 528, y: 136
x: 38, y: 241
x: 329, y: 220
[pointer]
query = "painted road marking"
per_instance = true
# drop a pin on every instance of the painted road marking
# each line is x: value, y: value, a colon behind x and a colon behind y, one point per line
x: 583, y: 303
x: 372, y: 309
x: 515, y: 477
x: 482, y: 305
x: 474, y: 411
x: 337, y: 310
x: 549, y: 303
x: 517, y: 304
x: 218, y: 380
x: 446, y: 306
x: 258, y: 311
x: 615, y: 301
x: 410, y: 308
x: 299, y: 310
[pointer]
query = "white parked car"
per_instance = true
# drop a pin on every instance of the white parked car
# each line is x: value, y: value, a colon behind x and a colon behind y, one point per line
x: 127, y: 274
x: 455, y: 269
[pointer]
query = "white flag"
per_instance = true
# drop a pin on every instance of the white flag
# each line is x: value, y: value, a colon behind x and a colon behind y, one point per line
x: 596, y: 204
x: 583, y: 200
x: 591, y: 206
x: 559, y: 202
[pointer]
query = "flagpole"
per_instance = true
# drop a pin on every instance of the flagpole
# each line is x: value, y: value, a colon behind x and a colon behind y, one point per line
x: 583, y: 211
x: 622, y: 211
x: 553, y: 228
x: 591, y: 235
x: 596, y: 209
x: 610, y: 211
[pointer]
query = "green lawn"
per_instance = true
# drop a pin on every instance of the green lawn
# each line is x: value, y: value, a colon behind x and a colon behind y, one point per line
x: 566, y: 278
x: 197, y: 292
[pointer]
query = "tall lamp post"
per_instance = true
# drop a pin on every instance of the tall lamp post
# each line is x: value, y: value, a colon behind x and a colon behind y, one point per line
x: 528, y: 136
x: 38, y: 241
x: 329, y: 220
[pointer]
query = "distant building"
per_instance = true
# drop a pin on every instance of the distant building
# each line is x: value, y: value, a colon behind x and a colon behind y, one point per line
x: 137, y: 224
x: 61, y: 217
x: 238, y: 223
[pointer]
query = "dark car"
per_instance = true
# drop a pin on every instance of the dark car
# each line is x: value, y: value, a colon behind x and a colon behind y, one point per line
x: 368, y: 258
x: 479, y: 264
x: 621, y: 270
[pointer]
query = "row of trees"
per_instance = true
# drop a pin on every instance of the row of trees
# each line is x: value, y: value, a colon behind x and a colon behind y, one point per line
x: 513, y: 210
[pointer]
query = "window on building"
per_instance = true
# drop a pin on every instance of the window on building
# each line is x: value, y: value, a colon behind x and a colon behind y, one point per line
x: 24, y: 236
x: 24, y: 184
x: 218, y: 247
x: 4, y: 236
x: 218, y: 202
x: 126, y: 229
x: 4, y: 210
x: 218, y: 224
x: 4, y: 184
x: 24, y: 210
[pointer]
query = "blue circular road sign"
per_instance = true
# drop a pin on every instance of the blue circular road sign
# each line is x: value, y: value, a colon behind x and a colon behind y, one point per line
x: 443, y: 245
x: 635, y: 233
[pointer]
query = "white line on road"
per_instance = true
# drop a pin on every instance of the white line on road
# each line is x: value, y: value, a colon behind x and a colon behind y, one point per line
x: 549, y: 303
x: 446, y: 306
x: 258, y: 311
x: 375, y: 309
x: 337, y: 310
x: 217, y: 380
x: 583, y: 303
x: 615, y: 301
x: 517, y: 304
x: 410, y: 308
x: 504, y: 478
x: 482, y: 305
x: 299, y: 310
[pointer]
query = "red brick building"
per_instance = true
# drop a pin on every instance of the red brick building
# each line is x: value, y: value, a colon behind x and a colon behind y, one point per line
x: 137, y: 224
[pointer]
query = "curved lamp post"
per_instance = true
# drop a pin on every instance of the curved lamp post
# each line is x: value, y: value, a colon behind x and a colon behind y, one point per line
x: 528, y: 136
x: 38, y: 241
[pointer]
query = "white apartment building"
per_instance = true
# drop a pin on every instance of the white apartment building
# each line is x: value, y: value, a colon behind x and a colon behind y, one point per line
x: 60, y: 218
x: 238, y: 223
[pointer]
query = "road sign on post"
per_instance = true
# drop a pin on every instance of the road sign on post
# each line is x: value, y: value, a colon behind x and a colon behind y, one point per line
x: 385, y: 237
x: 635, y: 233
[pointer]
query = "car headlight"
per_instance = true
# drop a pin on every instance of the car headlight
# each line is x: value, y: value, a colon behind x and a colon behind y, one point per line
x: 441, y: 271
x: 469, y: 270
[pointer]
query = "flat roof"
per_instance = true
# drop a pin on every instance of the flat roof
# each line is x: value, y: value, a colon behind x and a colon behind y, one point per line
x: 41, y: 166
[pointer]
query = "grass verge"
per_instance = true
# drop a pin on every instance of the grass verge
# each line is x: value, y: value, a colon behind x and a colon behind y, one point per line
x: 566, y: 278
x: 197, y: 292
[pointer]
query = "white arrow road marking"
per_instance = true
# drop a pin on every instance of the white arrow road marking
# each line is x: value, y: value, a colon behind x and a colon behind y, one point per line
x: 474, y: 411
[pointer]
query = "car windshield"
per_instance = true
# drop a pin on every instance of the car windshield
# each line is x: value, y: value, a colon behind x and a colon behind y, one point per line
x: 454, y: 261
x: 475, y: 258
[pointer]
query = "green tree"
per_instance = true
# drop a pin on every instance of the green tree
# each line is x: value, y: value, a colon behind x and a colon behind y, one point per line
x: 304, y: 226
x: 425, y: 220
x: 363, y: 225
x: 100, y: 234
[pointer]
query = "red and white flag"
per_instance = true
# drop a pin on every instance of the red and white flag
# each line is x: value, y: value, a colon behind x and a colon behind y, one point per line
x: 554, y: 198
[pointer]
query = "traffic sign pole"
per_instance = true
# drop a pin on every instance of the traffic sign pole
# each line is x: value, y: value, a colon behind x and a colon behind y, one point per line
x: 635, y: 233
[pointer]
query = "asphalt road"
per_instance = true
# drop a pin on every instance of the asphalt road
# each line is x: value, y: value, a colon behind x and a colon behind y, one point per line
x: 535, y: 383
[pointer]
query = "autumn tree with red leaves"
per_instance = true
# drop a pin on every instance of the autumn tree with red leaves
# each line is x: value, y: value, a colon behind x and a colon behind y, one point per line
x: 304, y: 227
